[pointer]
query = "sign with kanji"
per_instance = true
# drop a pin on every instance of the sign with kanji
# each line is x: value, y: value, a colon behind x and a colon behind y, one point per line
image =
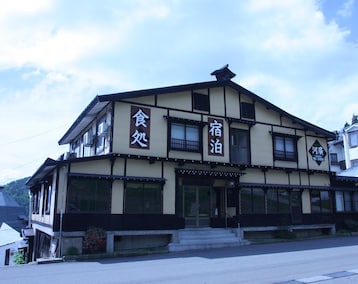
x: 139, y: 127
x: 215, y: 136
x: 317, y: 152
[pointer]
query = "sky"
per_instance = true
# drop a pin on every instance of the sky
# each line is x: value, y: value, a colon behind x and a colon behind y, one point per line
x: 57, y: 55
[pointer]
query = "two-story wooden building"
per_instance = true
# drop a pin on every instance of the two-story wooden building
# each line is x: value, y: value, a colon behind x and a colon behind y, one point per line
x: 144, y: 164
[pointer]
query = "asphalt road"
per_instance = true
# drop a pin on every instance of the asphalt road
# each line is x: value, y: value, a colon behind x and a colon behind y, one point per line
x: 329, y: 260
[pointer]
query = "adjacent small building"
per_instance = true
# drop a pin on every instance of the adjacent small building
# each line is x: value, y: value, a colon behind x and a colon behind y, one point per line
x: 145, y: 164
x: 343, y: 152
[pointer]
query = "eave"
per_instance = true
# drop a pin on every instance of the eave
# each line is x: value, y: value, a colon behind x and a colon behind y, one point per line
x: 42, y: 172
x: 85, y: 118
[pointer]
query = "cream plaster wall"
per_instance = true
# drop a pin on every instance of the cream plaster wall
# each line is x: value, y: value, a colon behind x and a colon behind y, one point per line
x: 232, y: 103
x: 118, y: 167
x: 319, y: 179
x: 306, y: 202
x: 311, y: 163
x: 253, y: 176
x: 276, y: 177
x: 143, y: 168
x: 180, y: 100
x: 169, y: 189
x: 217, y: 106
x: 304, y: 178
x: 122, y: 135
x: 92, y: 167
x: 265, y: 115
x: 294, y: 178
x: 261, y: 145
x: 117, y: 197
x: 148, y: 100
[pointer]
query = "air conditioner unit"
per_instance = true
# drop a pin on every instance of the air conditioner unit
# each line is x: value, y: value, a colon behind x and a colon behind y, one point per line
x: 87, y: 139
x: 102, y: 128
x: 69, y: 155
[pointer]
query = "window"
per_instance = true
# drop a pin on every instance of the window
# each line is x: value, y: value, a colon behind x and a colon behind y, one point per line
x: 334, y: 158
x: 143, y: 198
x: 240, y: 146
x: 278, y: 201
x: 102, y: 135
x: 200, y: 102
x: 185, y: 137
x: 353, y: 139
x: 252, y: 200
x: 320, y: 201
x: 346, y: 201
x: 285, y: 148
x: 247, y: 110
x: 89, y: 195
x: 46, y: 201
x: 36, y: 202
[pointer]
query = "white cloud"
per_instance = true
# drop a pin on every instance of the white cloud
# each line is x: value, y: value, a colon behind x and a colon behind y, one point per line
x: 65, y: 53
x: 346, y: 10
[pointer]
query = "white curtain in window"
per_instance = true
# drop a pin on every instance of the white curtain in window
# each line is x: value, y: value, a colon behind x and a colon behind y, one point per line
x: 192, y: 133
x: 339, y: 201
x: 177, y: 131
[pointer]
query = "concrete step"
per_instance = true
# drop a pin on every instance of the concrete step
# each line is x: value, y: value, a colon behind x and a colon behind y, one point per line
x: 183, y: 247
x: 203, y: 238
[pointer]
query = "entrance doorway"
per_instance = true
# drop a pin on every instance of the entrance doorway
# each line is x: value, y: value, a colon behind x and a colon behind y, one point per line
x: 197, y: 202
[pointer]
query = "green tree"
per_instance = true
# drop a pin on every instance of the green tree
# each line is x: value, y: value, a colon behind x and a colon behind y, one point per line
x: 18, y: 190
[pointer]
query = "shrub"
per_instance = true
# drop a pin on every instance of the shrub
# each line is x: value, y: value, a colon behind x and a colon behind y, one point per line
x: 19, y: 258
x: 94, y: 240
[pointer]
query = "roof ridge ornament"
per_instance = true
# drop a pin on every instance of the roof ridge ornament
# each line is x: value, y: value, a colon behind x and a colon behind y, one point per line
x: 223, y: 74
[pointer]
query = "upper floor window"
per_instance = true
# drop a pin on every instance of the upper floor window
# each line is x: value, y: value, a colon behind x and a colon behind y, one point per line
x: 239, y: 146
x: 185, y: 137
x: 285, y: 147
x: 353, y: 139
x: 102, y: 131
x: 46, y: 199
x: 334, y: 158
x: 200, y: 102
x: 247, y: 110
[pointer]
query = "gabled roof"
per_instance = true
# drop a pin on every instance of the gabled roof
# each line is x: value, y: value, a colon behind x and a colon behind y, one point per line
x: 48, y: 166
x: 8, y: 235
x: 101, y: 101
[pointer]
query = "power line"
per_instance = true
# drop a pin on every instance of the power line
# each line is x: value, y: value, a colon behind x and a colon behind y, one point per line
x: 33, y: 136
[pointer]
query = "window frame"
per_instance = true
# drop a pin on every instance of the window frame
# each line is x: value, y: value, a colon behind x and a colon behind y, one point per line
x: 201, y: 102
x: 321, y: 201
x: 143, y: 196
x: 236, y: 148
x: 353, y: 143
x: 334, y: 159
x: 185, y: 146
x: 94, y: 182
x: 247, y: 110
x: 248, y: 196
x: 289, y: 156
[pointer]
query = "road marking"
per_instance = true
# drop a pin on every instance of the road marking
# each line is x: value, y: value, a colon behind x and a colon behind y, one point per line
x: 318, y: 278
x: 314, y: 279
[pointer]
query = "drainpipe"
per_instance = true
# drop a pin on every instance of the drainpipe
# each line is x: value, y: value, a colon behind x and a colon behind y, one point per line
x: 61, y: 211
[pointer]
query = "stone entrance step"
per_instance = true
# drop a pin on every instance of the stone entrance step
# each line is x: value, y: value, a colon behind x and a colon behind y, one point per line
x: 204, y: 238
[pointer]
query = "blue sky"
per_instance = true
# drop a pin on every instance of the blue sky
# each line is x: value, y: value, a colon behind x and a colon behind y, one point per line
x: 55, y: 56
